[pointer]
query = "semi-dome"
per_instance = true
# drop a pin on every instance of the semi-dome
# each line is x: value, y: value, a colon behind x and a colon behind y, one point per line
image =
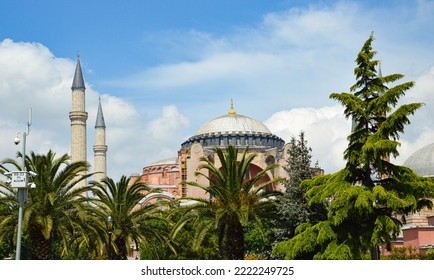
x: 172, y: 160
x: 422, y: 161
x: 234, y: 129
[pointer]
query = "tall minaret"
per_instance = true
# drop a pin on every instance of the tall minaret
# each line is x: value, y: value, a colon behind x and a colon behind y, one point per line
x: 100, y: 147
x: 78, y: 117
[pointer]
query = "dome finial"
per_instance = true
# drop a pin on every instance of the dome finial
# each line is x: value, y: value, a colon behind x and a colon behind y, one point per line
x: 232, y: 111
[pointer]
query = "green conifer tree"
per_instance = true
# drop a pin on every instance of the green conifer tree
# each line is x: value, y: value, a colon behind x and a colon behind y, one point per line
x: 367, y: 198
x: 292, y: 206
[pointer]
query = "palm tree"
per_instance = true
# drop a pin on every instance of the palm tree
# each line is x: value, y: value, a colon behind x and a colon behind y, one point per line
x: 8, y: 215
x: 56, y: 211
x: 235, y: 200
x: 134, y: 223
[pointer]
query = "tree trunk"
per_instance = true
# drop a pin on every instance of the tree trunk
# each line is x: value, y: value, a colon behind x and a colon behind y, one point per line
x: 41, y: 247
x: 375, y: 253
x: 235, y: 240
x: 122, y: 249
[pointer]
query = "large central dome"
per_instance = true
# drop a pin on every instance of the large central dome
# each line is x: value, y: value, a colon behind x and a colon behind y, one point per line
x: 233, y: 123
x: 233, y: 129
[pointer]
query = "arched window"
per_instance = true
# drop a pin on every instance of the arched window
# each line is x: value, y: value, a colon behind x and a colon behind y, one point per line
x: 269, y: 161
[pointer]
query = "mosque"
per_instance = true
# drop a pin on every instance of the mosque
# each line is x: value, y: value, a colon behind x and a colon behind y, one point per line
x: 167, y: 175
x: 228, y: 129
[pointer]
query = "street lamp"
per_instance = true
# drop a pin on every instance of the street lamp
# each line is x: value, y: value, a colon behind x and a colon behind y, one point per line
x: 20, y: 181
x: 109, y: 224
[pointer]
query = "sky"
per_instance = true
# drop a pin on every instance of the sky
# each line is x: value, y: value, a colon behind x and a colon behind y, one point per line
x: 164, y: 68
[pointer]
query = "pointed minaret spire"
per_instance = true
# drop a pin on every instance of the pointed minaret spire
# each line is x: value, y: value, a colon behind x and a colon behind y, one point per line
x: 100, y: 147
x: 78, y: 82
x: 99, y: 116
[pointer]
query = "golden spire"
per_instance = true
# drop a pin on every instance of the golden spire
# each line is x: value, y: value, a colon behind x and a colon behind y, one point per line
x: 232, y: 111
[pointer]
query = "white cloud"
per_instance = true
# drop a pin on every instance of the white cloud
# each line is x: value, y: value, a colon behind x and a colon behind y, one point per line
x: 425, y: 85
x: 421, y: 130
x: 281, y: 70
x: 227, y: 67
x: 31, y: 77
x: 169, y: 124
x: 295, y: 58
x: 325, y: 130
x: 317, y: 26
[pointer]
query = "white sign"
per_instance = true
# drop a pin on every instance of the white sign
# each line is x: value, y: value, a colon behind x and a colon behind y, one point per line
x: 19, y: 179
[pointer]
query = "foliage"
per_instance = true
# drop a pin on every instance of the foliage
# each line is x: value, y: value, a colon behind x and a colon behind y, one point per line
x: 134, y: 223
x: 183, y: 243
x: 409, y: 253
x: 367, y: 197
x: 8, y: 218
x: 234, y: 201
x: 7, y: 241
x: 55, y: 209
x: 259, y: 241
x: 293, y: 207
x: 61, y: 221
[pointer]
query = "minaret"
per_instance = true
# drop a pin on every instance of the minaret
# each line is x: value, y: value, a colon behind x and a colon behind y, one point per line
x: 100, y: 147
x: 78, y: 117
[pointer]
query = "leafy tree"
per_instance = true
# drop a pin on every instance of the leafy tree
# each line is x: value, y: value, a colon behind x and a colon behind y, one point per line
x: 234, y: 201
x: 368, y: 195
x: 55, y: 211
x: 293, y: 208
x: 183, y: 244
x: 259, y: 241
x: 8, y: 219
x: 134, y: 224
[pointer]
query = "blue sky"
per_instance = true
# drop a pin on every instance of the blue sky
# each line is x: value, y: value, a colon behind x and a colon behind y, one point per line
x: 130, y: 34
x: 163, y: 68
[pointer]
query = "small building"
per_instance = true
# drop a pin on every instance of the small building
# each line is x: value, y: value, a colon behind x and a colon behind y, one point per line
x: 417, y: 239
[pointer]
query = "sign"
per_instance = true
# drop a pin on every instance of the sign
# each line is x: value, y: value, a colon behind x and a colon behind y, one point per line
x: 19, y: 179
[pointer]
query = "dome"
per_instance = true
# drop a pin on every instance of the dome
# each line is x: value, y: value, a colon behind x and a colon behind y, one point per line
x: 233, y: 123
x: 167, y: 161
x: 234, y: 129
x: 422, y: 161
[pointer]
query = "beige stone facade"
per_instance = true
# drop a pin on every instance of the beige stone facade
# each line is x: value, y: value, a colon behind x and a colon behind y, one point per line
x: 100, y: 147
x: 231, y: 129
x: 78, y: 118
x: 78, y: 136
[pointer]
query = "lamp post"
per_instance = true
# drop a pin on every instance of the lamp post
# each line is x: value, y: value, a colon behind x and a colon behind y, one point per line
x: 109, y: 224
x: 19, y: 180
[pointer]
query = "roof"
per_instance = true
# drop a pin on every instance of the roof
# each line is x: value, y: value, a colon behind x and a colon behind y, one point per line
x: 172, y: 160
x: 100, y: 117
x: 422, y: 161
x: 78, y: 82
x: 233, y: 123
x: 234, y: 129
